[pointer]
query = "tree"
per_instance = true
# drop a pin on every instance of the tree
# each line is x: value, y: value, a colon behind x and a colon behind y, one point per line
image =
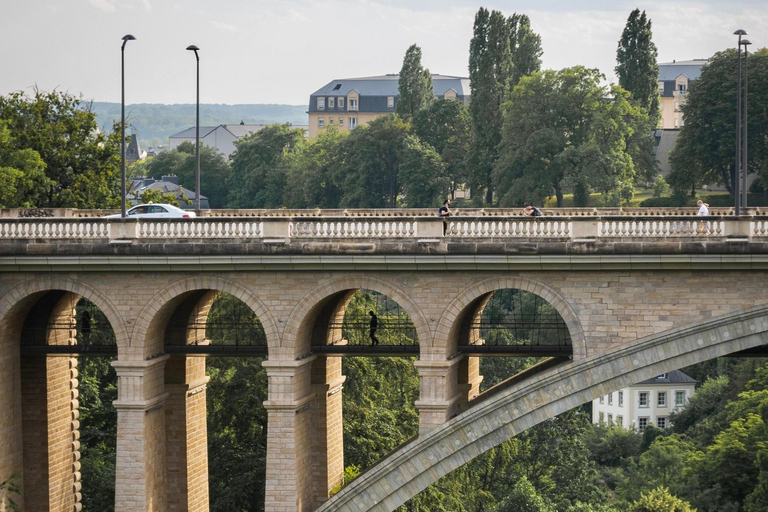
x: 660, y: 500
x: 525, y: 46
x: 259, y: 167
x: 23, y: 182
x: 383, y: 165
x: 637, y: 69
x: 705, y: 149
x: 312, y: 171
x: 414, y: 85
x: 490, y: 71
x: 214, y: 170
x: 563, y: 125
x: 81, y: 164
x: 446, y: 126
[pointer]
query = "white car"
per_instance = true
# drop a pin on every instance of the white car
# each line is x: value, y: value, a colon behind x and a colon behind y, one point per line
x: 155, y: 211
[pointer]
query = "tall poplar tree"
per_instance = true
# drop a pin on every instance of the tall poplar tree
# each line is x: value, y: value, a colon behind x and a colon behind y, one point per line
x: 490, y: 72
x: 637, y: 68
x: 525, y: 45
x: 415, y: 85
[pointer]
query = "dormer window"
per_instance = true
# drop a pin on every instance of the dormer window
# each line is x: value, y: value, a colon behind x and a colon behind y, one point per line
x: 662, y: 376
x: 337, y: 87
x: 320, y: 103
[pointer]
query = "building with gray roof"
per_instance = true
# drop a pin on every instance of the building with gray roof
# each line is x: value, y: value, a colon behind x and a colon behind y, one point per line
x: 351, y: 102
x: 674, y: 80
x: 646, y: 403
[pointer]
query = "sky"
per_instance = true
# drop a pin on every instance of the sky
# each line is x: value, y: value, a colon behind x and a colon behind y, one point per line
x: 281, y: 51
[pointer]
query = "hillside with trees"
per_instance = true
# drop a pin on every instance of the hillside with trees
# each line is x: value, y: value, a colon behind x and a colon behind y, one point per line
x: 154, y: 123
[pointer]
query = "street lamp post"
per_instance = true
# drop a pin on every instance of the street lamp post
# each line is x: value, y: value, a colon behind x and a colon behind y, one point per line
x: 744, y: 161
x: 197, y: 130
x: 126, y: 38
x: 737, y: 174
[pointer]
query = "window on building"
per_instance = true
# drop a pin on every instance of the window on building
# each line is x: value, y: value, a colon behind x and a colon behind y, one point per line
x: 601, y: 418
x: 662, y: 376
x: 390, y: 102
x: 621, y: 399
x: 330, y: 121
x: 679, y: 398
x: 337, y: 87
x: 661, y: 422
x: 353, y: 105
x: 320, y: 103
x: 341, y: 121
x: 677, y: 106
x: 661, y: 87
x: 620, y: 421
x: 642, y: 400
x: 602, y: 399
x: 677, y: 123
x: 661, y: 399
x: 352, y: 122
x: 642, y: 423
x: 320, y: 122
x: 331, y: 102
x: 340, y: 103
x: 610, y: 398
x: 610, y: 420
x: 680, y: 88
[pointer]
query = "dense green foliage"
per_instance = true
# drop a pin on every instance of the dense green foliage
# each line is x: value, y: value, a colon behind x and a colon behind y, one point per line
x: 559, y: 127
x: 52, y: 155
x: 98, y: 417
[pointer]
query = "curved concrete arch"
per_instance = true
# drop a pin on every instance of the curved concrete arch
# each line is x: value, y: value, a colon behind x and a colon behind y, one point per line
x: 411, y: 469
x: 147, y: 315
x: 447, y: 326
x: 15, y: 296
x: 354, y: 282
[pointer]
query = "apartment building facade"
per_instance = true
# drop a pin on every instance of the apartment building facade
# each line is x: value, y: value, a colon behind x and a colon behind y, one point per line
x: 351, y: 102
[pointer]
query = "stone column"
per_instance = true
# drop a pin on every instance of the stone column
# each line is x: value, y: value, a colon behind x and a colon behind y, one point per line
x: 186, y: 434
x: 289, y: 485
x: 141, y: 458
x: 439, y: 392
x: 327, y: 427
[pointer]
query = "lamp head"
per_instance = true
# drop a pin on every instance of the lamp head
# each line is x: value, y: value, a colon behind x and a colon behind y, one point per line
x: 126, y: 38
x: 194, y: 49
x: 740, y: 32
x: 746, y: 42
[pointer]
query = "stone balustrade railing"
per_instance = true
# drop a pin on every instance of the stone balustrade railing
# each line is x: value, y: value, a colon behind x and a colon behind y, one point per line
x: 16, y: 213
x: 432, y: 228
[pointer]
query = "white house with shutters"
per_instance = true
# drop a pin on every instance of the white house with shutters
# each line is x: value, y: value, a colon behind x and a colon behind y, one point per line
x: 646, y: 403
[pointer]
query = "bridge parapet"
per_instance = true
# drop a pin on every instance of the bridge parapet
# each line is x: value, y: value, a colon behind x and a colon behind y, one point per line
x: 497, y: 228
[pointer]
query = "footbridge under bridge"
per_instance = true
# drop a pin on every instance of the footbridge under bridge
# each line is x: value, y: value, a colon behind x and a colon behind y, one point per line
x: 638, y: 293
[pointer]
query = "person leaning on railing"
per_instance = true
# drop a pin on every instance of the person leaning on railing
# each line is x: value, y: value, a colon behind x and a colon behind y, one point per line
x: 531, y: 211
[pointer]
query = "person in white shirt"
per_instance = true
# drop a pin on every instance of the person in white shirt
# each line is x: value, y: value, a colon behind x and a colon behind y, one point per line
x: 703, y: 211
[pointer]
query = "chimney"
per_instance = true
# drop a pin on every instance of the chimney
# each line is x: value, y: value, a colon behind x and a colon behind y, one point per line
x: 171, y: 179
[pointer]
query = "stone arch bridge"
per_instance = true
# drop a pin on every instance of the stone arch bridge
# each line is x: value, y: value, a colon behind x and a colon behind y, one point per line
x: 640, y: 292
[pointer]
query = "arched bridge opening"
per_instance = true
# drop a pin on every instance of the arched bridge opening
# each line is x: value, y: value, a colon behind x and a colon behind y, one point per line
x: 64, y: 425
x: 526, y: 403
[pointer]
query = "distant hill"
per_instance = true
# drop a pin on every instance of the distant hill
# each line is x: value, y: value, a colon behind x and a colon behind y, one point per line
x: 154, y: 123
